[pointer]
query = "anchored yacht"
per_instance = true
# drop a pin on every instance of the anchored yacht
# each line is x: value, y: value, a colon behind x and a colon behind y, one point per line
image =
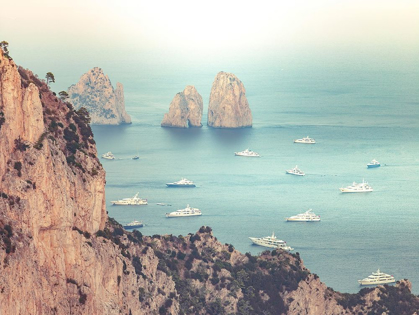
x: 133, y: 225
x: 187, y: 212
x: 356, y: 188
x: 305, y: 140
x: 134, y: 201
x: 374, y: 163
x: 377, y: 278
x: 295, y: 171
x: 307, y: 216
x: 182, y: 183
x: 108, y: 156
x: 271, y: 241
x: 248, y: 153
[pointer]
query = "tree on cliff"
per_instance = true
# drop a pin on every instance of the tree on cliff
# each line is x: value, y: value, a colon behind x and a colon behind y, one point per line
x: 63, y: 95
x: 3, y: 46
x: 50, y: 78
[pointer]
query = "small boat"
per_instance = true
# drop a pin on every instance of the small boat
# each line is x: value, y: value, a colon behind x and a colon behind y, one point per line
x: 135, y: 157
x: 187, y: 212
x: 248, y: 153
x: 295, y: 171
x: 373, y: 164
x: 305, y: 140
x: 307, y: 216
x: 108, y: 156
x: 134, y: 201
x: 271, y: 241
x: 357, y: 188
x: 377, y: 278
x: 163, y: 204
x: 182, y: 183
x: 133, y: 225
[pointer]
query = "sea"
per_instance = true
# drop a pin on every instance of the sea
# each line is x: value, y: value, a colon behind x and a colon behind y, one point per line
x: 355, y: 114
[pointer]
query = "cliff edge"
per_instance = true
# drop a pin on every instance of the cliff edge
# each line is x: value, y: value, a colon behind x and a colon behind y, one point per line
x: 95, y: 92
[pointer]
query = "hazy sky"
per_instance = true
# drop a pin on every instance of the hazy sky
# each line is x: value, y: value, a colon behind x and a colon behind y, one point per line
x: 207, y: 31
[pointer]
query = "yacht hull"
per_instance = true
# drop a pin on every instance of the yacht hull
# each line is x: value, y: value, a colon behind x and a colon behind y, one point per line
x: 182, y: 216
x: 290, y: 173
x: 127, y: 227
x: 344, y: 190
x: 361, y: 282
x: 177, y: 185
x: 373, y: 165
x: 302, y: 220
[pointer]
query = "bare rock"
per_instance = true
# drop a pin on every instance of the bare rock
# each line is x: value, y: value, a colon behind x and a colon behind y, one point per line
x: 95, y: 92
x: 185, y: 109
x: 228, y: 106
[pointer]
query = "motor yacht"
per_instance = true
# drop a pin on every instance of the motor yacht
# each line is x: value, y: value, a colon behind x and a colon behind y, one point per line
x: 134, y: 201
x: 248, y: 153
x: 305, y: 140
x: 307, y: 216
x: 182, y: 183
x: 271, y: 241
x: 108, y: 156
x: 356, y: 188
x: 295, y: 171
x: 374, y: 163
x: 133, y: 225
x: 377, y: 278
x: 187, y: 212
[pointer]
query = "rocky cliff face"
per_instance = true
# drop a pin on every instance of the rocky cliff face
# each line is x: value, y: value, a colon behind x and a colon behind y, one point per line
x: 61, y: 254
x: 228, y: 106
x: 95, y: 92
x: 185, y: 109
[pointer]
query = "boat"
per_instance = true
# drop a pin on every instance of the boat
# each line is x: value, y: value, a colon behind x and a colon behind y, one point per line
x: 248, y: 153
x: 135, y: 157
x: 295, y: 171
x: 271, y: 241
x: 187, y: 212
x: 133, y: 225
x: 306, y: 140
x: 373, y: 164
x: 134, y: 201
x: 357, y: 188
x: 307, y: 216
x: 182, y: 183
x: 377, y: 278
x: 163, y: 204
x: 108, y: 156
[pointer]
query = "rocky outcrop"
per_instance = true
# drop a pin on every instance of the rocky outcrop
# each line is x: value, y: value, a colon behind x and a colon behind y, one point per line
x: 95, y: 92
x: 61, y: 254
x: 185, y: 109
x: 228, y: 106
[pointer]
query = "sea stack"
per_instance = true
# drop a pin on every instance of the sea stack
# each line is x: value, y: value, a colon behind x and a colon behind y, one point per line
x: 95, y: 92
x: 228, y: 106
x: 185, y: 109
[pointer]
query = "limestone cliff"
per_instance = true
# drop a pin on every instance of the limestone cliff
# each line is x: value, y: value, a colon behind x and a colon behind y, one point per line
x: 228, y: 106
x: 95, y: 92
x: 185, y: 109
x: 61, y: 254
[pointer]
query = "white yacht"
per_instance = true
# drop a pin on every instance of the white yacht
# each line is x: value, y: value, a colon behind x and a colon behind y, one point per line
x: 374, y: 163
x: 134, y: 201
x: 295, y: 171
x: 306, y: 140
x: 133, y: 225
x: 108, y: 156
x: 356, y: 188
x: 182, y: 183
x: 307, y: 216
x: 248, y: 153
x: 187, y: 212
x: 377, y: 278
x: 270, y: 241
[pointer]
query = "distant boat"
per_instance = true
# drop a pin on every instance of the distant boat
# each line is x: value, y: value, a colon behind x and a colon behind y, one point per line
x: 136, y: 157
x: 373, y: 164
x: 357, y: 188
x: 305, y: 140
x: 134, y: 201
x: 108, y: 156
x: 163, y: 204
x: 377, y: 278
x: 295, y: 171
x: 182, y: 183
x: 248, y: 153
x: 271, y: 241
x: 133, y: 225
x: 187, y: 212
x: 307, y: 216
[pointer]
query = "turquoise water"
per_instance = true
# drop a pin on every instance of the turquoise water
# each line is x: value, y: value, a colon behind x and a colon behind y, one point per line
x: 355, y: 116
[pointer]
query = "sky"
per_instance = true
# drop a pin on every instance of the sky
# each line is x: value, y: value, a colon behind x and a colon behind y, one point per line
x: 160, y: 33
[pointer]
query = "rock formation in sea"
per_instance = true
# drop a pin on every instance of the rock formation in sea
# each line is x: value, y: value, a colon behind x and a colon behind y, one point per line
x: 185, y: 109
x: 95, y: 92
x: 228, y: 106
x: 61, y: 254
